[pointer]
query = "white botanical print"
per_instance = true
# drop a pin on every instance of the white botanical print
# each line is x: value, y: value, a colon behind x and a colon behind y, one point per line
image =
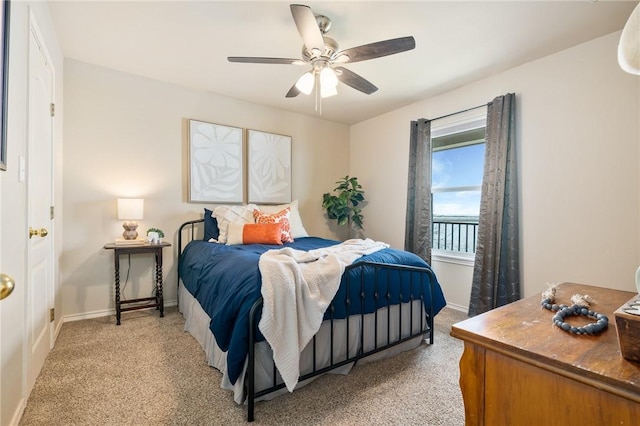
x: 216, y: 163
x: 269, y: 168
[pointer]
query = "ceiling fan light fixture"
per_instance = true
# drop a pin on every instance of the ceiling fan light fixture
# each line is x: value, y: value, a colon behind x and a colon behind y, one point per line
x: 305, y: 83
x: 328, y: 78
x: 328, y: 82
x: 322, y: 54
x: 328, y: 91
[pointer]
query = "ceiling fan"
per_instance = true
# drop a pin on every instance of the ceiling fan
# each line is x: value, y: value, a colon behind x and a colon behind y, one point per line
x: 321, y: 52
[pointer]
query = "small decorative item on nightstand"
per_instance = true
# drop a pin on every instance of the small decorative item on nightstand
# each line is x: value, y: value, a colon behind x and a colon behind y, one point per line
x: 155, y: 235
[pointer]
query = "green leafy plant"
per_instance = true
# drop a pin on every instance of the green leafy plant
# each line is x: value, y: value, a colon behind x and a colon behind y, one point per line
x: 159, y: 231
x: 343, y: 207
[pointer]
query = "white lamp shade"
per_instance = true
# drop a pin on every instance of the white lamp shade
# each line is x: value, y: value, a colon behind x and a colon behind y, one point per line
x: 327, y: 91
x: 328, y: 82
x: 328, y: 78
x: 629, y: 46
x: 130, y: 208
x: 305, y: 83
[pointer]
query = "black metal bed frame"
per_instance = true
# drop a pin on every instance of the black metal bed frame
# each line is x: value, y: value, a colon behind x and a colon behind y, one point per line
x: 417, y: 277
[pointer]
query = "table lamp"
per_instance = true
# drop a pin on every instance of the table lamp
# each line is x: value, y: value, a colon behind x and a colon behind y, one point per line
x: 130, y: 210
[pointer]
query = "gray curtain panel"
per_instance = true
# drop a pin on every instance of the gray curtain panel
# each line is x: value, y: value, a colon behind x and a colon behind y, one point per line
x: 418, y: 220
x: 496, y: 273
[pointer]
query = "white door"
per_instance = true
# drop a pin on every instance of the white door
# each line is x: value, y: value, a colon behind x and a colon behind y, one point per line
x: 11, y: 338
x: 11, y: 331
x: 40, y: 199
x: 3, y: 356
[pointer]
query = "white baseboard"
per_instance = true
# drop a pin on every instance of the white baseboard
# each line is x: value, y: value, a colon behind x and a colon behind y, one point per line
x: 17, y: 416
x: 460, y: 308
x: 56, y: 332
x: 104, y: 313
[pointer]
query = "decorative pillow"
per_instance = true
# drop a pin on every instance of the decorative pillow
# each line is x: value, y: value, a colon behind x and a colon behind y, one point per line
x: 253, y: 233
x: 295, y: 221
x: 210, y: 226
x: 281, y: 217
x: 232, y: 214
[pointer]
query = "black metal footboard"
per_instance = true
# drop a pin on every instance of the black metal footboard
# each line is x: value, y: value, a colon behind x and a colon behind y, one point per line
x: 417, y: 282
x: 394, y: 304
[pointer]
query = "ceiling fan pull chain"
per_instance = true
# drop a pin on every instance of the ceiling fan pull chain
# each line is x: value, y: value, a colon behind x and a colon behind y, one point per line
x: 318, y: 98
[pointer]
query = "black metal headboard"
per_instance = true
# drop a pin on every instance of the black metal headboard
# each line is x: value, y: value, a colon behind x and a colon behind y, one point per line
x: 188, y: 231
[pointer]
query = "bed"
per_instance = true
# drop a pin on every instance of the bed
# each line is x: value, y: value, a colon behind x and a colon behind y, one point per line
x: 384, y: 303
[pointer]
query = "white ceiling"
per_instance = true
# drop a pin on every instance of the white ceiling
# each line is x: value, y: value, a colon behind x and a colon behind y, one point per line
x: 187, y: 43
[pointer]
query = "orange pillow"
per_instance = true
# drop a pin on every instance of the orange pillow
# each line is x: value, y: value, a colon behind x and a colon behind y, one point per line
x: 263, y: 233
x: 251, y: 233
x: 281, y: 217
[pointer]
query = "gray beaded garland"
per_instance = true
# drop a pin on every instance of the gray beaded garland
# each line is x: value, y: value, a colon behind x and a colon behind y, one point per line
x: 562, y: 311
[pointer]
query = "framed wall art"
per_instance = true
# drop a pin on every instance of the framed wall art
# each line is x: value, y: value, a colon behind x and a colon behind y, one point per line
x: 268, y: 167
x: 216, y: 163
x: 4, y: 79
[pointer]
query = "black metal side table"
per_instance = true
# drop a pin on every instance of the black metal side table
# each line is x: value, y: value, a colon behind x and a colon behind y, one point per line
x: 156, y: 249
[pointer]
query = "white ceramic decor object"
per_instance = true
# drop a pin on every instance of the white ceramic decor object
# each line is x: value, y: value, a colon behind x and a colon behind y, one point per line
x: 629, y: 45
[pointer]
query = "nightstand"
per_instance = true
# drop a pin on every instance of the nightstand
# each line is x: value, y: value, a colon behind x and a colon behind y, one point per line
x: 156, y: 250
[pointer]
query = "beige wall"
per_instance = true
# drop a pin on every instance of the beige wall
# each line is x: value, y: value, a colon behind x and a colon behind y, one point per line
x: 124, y: 137
x: 578, y: 141
x: 578, y: 146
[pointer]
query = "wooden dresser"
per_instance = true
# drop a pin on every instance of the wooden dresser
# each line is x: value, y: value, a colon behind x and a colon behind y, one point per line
x: 519, y: 369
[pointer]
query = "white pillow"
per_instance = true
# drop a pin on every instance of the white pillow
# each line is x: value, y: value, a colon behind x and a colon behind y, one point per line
x: 295, y: 221
x: 234, y: 233
x: 232, y: 214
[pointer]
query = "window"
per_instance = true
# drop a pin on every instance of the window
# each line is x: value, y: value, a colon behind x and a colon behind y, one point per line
x: 457, y: 163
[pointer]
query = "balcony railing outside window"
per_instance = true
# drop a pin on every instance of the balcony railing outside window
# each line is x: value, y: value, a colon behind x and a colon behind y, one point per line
x: 455, y: 233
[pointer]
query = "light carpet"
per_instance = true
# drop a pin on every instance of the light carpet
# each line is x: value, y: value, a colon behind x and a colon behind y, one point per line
x: 148, y: 371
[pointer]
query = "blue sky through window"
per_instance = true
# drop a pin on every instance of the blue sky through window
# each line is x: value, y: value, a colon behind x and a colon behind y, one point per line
x: 454, y: 168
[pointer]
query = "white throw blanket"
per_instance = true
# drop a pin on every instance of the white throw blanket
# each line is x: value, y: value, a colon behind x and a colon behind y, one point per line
x: 297, y: 287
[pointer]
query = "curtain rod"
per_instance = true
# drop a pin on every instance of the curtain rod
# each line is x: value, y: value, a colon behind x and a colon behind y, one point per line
x: 458, y: 112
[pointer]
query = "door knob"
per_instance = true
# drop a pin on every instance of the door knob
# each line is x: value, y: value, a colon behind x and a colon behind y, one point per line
x: 42, y: 232
x: 6, y: 285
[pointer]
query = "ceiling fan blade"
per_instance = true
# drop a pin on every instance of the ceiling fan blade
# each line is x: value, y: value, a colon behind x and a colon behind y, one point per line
x: 352, y: 79
x: 293, y: 92
x: 307, y: 27
x: 253, y: 60
x: 375, y: 50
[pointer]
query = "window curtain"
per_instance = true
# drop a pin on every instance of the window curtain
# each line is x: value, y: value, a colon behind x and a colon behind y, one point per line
x: 418, y: 220
x: 496, y: 273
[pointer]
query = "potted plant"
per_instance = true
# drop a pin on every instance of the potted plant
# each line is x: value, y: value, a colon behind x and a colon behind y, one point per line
x: 343, y: 206
x: 155, y: 235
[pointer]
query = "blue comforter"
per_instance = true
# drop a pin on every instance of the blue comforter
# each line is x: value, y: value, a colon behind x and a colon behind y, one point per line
x: 226, y: 282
